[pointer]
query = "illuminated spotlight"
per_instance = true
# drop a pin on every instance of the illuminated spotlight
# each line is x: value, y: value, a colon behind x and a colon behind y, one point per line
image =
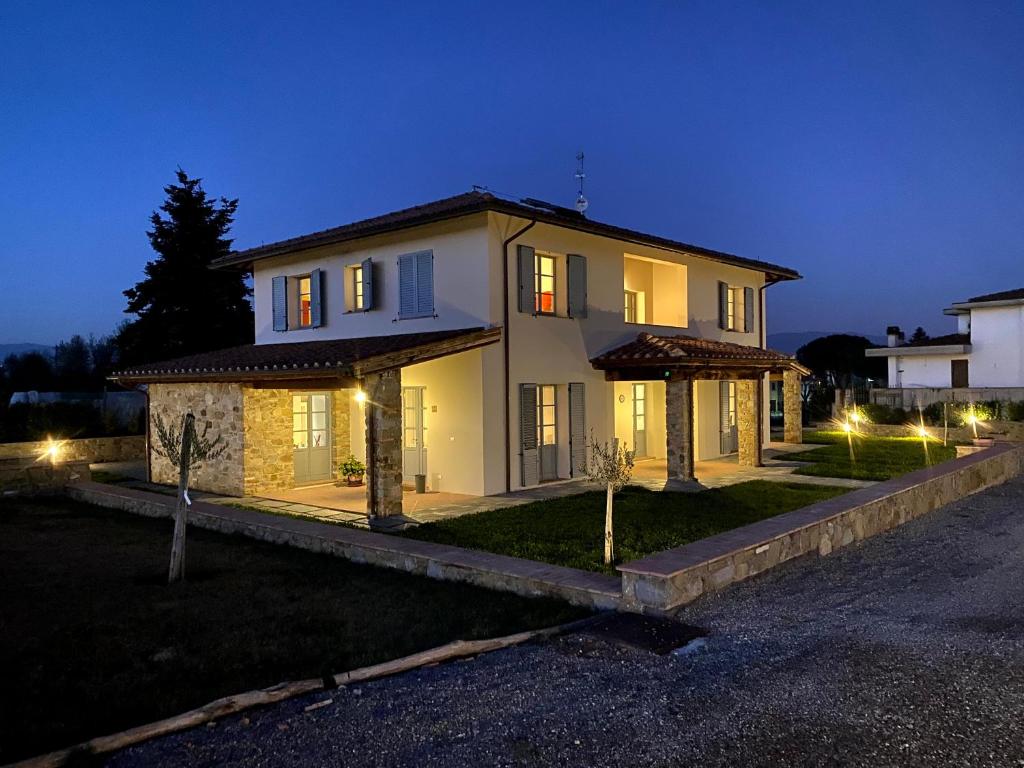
x: 360, y: 396
x: 922, y: 432
x: 972, y: 419
x: 855, y: 417
x: 847, y: 427
x: 52, y: 451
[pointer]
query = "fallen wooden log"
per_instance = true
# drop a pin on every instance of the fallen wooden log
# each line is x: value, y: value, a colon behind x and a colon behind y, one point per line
x: 231, y: 705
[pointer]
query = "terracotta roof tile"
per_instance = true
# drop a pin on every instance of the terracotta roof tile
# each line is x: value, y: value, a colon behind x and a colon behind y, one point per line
x: 648, y: 349
x: 340, y: 357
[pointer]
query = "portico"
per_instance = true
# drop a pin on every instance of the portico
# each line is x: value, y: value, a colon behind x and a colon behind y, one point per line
x: 679, y: 362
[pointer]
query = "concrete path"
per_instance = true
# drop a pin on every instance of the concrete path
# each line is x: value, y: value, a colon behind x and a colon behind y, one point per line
x: 906, y: 650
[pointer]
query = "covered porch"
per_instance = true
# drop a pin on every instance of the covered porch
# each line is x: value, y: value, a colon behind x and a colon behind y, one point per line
x: 676, y: 363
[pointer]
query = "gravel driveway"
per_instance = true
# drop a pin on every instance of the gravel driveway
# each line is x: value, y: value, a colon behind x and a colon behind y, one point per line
x: 906, y: 650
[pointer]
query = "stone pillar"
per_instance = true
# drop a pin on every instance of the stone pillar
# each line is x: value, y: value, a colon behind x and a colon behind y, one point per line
x: 679, y: 429
x: 383, y: 443
x: 792, y: 404
x: 748, y: 421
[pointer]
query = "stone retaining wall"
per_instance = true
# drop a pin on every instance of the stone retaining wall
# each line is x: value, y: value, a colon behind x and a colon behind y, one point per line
x: 675, y: 577
x: 90, y: 449
x: 28, y: 476
x: 437, y: 561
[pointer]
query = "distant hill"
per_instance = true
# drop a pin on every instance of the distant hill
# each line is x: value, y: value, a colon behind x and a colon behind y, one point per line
x: 24, y: 348
x: 790, y: 342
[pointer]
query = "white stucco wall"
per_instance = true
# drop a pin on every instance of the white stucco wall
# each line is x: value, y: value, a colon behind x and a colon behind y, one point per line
x: 461, y: 272
x: 997, y: 347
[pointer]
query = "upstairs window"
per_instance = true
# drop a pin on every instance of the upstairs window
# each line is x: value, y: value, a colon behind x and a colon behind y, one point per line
x: 631, y: 306
x: 735, y: 308
x: 297, y: 301
x: 416, y: 285
x: 357, y: 288
x: 544, y: 284
x: 305, y: 304
x: 654, y: 291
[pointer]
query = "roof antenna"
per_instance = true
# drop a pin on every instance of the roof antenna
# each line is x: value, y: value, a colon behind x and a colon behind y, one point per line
x: 581, y: 201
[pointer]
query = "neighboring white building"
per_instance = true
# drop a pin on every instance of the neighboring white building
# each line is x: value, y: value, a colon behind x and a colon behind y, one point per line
x: 986, y: 351
x: 492, y: 339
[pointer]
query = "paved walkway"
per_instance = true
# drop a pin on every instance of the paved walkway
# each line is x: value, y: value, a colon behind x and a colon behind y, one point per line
x: 334, y: 504
x: 905, y: 650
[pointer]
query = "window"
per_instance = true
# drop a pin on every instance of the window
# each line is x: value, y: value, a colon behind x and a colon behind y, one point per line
x: 305, y: 304
x: 416, y: 285
x: 544, y: 284
x: 630, y: 306
x: 357, y: 288
x: 546, y: 430
x: 735, y: 308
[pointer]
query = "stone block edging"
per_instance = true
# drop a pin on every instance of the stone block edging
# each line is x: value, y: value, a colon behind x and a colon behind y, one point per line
x: 672, y: 578
x: 91, y: 449
x: 437, y: 561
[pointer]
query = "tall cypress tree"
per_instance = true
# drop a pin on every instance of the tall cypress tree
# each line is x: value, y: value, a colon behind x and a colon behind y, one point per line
x: 183, y: 306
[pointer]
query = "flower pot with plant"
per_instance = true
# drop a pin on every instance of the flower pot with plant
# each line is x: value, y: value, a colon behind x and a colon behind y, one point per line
x: 352, y: 469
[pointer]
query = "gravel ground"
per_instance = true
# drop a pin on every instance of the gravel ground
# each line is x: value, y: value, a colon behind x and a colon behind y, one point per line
x: 906, y: 650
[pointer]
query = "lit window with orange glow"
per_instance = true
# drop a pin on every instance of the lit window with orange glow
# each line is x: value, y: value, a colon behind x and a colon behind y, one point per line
x: 544, y: 284
x: 305, y: 302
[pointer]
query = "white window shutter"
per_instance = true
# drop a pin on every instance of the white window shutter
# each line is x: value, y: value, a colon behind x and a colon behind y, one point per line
x: 576, y: 269
x: 577, y: 429
x: 529, y: 454
x: 407, y: 285
x: 279, y: 300
x: 527, y: 279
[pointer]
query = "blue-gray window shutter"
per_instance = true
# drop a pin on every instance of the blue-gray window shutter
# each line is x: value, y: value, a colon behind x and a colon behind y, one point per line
x: 576, y: 268
x: 316, y: 298
x: 425, y: 283
x: 529, y: 454
x: 279, y: 300
x: 748, y: 309
x: 723, y: 305
x: 527, y: 288
x: 577, y: 429
x: 406, y: 285
x: 367, y: 266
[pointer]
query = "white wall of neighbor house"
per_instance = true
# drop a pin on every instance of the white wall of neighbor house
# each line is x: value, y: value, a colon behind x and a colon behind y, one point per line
x: 997, y: 346
x: 461, y: 274
x: 926, y: 370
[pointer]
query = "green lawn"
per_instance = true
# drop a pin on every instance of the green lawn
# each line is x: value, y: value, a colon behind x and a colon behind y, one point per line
x: 93, y: 641
x: 868, y: 458
x: 569, y: 531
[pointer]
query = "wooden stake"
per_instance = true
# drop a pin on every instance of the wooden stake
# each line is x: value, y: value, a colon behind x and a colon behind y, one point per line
x: 176, y: 571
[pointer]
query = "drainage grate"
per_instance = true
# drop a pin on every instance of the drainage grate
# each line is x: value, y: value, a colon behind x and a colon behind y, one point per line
x: 660, y: 636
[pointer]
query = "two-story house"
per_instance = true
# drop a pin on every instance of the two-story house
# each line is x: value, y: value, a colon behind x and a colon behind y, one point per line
x: 482, y: 343
x: 985, y: 353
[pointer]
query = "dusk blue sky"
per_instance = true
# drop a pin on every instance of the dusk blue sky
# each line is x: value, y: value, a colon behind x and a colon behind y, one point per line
x: 877, y: 148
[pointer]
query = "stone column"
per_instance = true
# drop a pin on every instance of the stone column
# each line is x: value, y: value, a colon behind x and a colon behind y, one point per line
x: 748, y: 421
x: 383, y: 443
x: 792, y: 404
x: 679, y: 429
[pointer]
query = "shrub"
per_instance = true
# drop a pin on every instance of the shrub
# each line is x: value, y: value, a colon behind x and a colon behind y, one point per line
x: 1015, y: 410
x: 883, y: 414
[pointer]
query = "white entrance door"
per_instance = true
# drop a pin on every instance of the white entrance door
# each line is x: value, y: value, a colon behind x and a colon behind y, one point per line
x: 414, y: 448
x: 311, y: 437
x: 547, y: 432
x: 640, y: 420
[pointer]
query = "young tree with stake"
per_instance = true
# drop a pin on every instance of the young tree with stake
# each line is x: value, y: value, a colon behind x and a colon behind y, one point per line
x: 611, y: 465
x: 186, y: 450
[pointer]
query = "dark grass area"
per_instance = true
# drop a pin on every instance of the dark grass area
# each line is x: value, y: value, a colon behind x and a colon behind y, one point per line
x: 862, y: 457
x: 92, y: 641
x: 570, y: 530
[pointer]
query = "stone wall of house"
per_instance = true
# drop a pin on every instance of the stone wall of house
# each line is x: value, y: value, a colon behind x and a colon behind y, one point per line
x: 218, y: 406
x: 269, y: 464
x: 91, y: 449
x: 341, y: 432
x: 679, y: 429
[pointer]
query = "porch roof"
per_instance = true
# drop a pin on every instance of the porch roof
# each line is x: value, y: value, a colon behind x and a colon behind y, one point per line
x: 689, y: 357
x: 337, y: 360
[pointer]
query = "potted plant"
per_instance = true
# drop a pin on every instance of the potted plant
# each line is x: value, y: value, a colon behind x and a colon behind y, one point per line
x: 352, y: 469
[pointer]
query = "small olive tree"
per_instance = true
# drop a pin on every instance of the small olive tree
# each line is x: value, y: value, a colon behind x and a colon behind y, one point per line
x: 185, y: 449
x: 611, y: 465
